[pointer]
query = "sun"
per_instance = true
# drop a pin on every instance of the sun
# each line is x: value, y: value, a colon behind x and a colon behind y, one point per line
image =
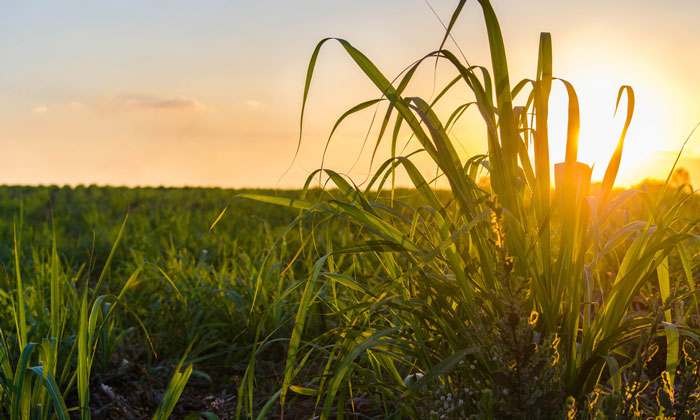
x: 601, y: 128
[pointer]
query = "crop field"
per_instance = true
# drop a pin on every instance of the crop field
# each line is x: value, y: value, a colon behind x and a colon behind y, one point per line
x: 502, y: 286
x: 169, y: 281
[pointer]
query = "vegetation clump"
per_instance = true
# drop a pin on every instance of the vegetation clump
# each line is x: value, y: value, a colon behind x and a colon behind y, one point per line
x: 514, y: 299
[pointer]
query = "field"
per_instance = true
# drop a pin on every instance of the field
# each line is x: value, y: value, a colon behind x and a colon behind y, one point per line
x: 190, y: 287
x: 513, y: 292
x: 194, y: 297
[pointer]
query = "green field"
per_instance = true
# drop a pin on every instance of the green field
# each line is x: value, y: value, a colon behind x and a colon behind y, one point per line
x: 166, y: 239
x: 194, y: 296
x: 508, y: 294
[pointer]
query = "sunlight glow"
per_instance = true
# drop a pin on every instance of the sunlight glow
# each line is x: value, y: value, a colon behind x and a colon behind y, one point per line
x: 600, y: 129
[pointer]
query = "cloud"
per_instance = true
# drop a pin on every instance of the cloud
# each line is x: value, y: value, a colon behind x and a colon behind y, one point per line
x: 40, y: 110
x: 140, y: 102
x: 157, y: 102
x: 123, y: 103
x: 252, y: 104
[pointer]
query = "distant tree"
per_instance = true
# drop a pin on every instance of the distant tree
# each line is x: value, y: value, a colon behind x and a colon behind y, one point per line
x: 680, y: 178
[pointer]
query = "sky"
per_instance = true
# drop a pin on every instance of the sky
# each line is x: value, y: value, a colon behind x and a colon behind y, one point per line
x: 209, y: 93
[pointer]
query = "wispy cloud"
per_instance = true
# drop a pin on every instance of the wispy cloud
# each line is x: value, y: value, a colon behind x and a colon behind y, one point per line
x: 130, y: 102
x: 252, y: 104
x: 123, y: 103
x: 158, y: 102
x: 40, y: 110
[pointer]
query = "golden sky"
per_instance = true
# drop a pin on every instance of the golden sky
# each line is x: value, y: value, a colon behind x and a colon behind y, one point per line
x: 208, y: 93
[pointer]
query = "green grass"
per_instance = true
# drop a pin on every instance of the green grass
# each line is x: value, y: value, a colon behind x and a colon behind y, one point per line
x: 374, y: 315
x: 85, y: 290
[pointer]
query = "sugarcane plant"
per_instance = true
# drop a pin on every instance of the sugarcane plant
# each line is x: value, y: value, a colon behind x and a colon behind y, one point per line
x: 449, y: 256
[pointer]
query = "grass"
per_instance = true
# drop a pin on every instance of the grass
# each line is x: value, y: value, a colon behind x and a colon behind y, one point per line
x: 510, y: 294
x: 98, y: 298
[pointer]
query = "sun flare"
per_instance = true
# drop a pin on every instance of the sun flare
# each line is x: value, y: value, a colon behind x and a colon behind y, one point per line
x: 601, y: 126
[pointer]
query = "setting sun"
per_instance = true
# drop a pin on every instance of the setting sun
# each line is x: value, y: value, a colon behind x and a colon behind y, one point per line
x: 600, y: 130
